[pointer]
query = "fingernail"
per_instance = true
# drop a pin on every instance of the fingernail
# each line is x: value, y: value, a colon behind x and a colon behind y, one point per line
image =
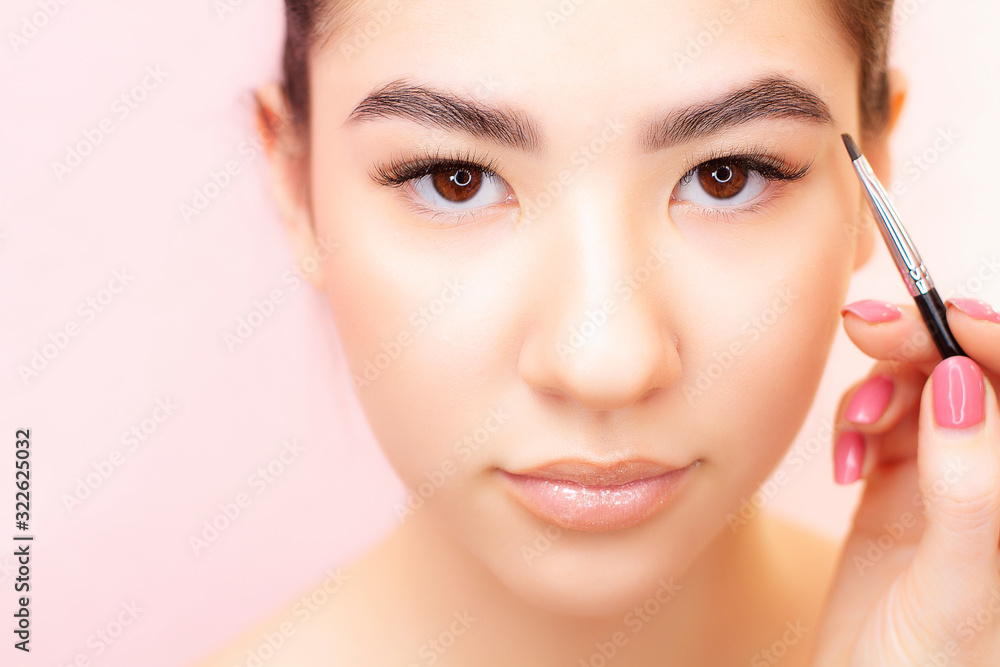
x: 848, y: 457
x: 873, y: 311
x: 959, y: 393
x: 870, y: 400
x: 976, y: 309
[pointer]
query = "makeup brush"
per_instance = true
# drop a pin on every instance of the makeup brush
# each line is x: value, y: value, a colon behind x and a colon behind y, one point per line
x: 904, y: 253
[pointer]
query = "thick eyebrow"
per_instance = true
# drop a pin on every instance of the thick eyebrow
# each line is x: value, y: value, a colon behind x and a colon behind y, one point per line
x: 771, y: 97
x: 434, y: 108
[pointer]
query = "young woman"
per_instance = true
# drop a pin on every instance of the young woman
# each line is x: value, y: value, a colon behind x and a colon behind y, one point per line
x: 590, y: 258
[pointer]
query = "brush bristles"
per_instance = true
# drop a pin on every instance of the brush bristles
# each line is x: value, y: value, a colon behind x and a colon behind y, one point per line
x: 852, y: 148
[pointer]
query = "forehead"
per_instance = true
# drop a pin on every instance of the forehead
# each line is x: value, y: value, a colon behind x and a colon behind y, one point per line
x: 594, y: 55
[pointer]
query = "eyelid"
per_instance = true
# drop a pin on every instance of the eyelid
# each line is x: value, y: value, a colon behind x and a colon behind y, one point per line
x: 455, y: 217
x: 778, y: 174
x: 420, y: 207
x: 766, y: 164
x: 404, y: 168
x: 731, y: 214
x: 402, y: 172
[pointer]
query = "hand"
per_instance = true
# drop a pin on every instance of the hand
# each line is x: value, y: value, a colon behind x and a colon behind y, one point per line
x: 918, y: 582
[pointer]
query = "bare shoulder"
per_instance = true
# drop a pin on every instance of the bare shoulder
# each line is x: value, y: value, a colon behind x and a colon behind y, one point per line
x: 341, y: 619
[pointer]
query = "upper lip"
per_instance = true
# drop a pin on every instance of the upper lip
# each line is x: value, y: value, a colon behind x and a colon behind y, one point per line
x: 588, y: 473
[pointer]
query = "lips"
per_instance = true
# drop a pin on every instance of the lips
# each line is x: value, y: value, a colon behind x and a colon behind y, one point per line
x: 586, y: 496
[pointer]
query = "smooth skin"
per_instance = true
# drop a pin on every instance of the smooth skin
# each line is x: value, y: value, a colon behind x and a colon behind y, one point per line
x: 453, y: 584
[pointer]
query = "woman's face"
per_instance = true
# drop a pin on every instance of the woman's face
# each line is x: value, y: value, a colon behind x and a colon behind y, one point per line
x: 596, y: 296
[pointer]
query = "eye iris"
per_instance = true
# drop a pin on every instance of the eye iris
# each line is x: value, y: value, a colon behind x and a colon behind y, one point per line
x: 458, y: 185
x: 723, y: 181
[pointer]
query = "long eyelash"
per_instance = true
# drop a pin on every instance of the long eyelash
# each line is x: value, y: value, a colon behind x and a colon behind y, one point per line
x: 755, y: 160
x: 401, y: 170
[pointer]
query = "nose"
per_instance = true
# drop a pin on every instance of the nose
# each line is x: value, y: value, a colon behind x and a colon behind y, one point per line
x: 601, y: 333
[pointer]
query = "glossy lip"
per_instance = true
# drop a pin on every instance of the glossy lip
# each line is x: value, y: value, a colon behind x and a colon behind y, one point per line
x: 586, y: 496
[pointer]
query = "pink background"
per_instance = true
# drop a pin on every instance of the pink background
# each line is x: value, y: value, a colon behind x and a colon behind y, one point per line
x: 161, y: 337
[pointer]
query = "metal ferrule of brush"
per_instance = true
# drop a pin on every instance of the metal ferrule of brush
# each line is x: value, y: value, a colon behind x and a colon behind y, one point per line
x: 900, y: 247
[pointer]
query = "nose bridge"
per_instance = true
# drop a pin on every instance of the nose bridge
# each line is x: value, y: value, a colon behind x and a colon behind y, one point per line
x: 599, y: 226
x: 585, y: 204
x: 600, y: 334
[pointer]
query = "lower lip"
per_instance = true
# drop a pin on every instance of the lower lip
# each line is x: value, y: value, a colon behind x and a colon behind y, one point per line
x: 594, y: 508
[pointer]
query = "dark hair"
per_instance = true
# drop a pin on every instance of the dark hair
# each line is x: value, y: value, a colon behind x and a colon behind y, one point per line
x: 866, y: 23
x: 301, y: 32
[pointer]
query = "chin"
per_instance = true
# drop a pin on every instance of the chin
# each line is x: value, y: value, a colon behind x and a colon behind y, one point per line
x: 594, y: 575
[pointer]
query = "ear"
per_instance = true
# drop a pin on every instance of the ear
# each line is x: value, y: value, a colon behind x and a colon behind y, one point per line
x: 286, y: 147
x: 876, y: 150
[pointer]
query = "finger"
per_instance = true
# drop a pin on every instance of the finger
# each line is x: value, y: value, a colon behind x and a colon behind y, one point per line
x: 877, y: 421
x: 976, y: 325
x: 859, y: 456
x: 890, y: 332
x: 959, y: 476
x: 878, y: 403
x: 897, y: 333
x: 879, y: 547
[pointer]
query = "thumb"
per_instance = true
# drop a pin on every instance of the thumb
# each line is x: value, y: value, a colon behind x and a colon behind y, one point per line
x: 958, y: 462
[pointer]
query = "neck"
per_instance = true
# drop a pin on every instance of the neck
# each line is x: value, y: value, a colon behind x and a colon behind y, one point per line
x: 436, y: 577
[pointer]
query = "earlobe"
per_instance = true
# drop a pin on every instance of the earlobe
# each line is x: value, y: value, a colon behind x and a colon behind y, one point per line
x: 899, y: 85
x: 289, y: 173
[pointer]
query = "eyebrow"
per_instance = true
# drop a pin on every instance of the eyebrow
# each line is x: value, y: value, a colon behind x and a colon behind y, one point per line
x: 432, y: 108
x: 771, y: 97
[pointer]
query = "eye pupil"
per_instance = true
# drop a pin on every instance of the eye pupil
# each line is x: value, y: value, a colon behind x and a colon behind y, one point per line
x: 723, y: 181
x: 458, y: 185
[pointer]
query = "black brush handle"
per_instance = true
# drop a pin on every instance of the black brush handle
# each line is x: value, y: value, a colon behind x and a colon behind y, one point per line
x: 935, y: 315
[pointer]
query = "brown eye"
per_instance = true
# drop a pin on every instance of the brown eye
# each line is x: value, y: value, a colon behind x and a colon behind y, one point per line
x: 732, y: 184
x: 457, y: 185
x: 722, y: 180
x: 446, y: 187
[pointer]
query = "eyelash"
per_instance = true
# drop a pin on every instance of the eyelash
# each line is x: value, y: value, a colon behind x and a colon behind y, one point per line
x: 400, y: 171
x: 766, y: 165
x: 757, y: 160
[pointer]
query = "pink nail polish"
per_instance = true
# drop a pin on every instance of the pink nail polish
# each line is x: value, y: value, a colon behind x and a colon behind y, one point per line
x: 977, y: 309
x: 870, y: 400
x: 959, y: 393
x: 848, y: 457
x: 873, y: 311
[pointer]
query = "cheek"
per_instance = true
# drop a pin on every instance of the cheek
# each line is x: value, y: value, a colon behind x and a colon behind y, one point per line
x: 757, y: 355
x: 423, y: 336
x: 403, y: 380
